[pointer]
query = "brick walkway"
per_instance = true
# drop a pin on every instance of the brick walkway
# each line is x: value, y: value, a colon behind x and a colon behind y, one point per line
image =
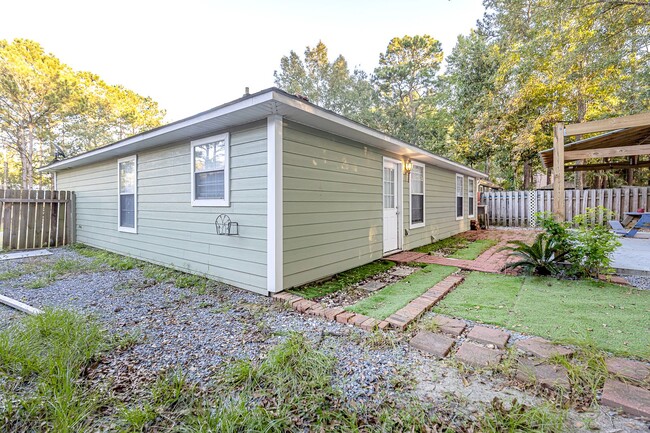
x: 492, y: 260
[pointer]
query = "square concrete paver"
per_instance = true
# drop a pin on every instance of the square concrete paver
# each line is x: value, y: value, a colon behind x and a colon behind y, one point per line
x: 478, y: 356
x: 547, y: 375
x: 629, y: 369
x: 436, y: 344
x: 450, y: 326
x: 402, y: 272
x: 542, y: 348
x: 373, y: 286
x: 631, y: 399
x: 486, y: 335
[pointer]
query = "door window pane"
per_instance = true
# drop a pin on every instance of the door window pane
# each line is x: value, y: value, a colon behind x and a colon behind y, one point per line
x: 389, y: 188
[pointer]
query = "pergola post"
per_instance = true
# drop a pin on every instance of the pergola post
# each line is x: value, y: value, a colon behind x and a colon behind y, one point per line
x: 558, y: 171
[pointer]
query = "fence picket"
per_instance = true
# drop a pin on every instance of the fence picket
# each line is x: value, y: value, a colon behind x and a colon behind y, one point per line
x: 513, y: 208
x: 36, y: 219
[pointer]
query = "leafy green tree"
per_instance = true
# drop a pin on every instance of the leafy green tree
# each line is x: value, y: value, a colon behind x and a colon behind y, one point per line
x: 45, y: 105
x: 406, y: 80
x: 330, y: 85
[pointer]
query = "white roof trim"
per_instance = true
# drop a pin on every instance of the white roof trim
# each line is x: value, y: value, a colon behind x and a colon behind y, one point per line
x: 274, y: 101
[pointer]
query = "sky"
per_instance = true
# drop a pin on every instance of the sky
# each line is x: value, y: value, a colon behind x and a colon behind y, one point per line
x: 191, y: 55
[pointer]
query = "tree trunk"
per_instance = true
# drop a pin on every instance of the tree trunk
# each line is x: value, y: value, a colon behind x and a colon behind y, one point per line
x: 582, y: 112
x: 630, y: 171
x: 528, y: 175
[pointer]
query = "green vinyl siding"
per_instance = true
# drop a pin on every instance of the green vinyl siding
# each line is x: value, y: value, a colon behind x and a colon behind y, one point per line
x: 332, y: 199
x: 170, y: 231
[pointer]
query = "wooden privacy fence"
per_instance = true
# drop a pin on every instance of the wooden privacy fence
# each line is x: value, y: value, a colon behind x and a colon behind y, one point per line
x: 36, y: 219
x: 518, y: 208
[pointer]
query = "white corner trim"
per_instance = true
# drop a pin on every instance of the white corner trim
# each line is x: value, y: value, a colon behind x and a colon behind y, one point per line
x: 225, y: 201
x: 274, y: 188
x: 424, y: 197
x: 462, y: 183
x: 133, y: 229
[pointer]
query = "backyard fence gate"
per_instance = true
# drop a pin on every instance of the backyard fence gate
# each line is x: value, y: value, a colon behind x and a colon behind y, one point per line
x: 518, y: 208
x: 36, y: 219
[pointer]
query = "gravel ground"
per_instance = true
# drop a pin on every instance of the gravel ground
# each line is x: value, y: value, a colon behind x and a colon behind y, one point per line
x: 199, y: 333
x: 640, y: 282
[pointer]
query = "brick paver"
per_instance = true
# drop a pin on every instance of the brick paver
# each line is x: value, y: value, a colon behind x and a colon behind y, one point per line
x: 630, y: 399
x: 406, y: 256
x: 344, y: 317
x: 331, y: 313
x: 303, y: 305
x: 629, y: 369
x: 404, y: 316
x: 542, y: 348
x: 478, y: 356
x: 450, y: 326
x: 436, y: 344
x: 547, y: 375
x: 487, y: 335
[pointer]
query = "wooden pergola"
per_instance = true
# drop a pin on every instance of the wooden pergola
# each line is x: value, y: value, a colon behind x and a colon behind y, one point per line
x: 627, y: 136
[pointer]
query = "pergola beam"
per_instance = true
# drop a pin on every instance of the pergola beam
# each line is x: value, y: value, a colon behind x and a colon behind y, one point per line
x: 607, y: 166
x: 558, y: 171
x: 608, y: 152
x: 604, y: 125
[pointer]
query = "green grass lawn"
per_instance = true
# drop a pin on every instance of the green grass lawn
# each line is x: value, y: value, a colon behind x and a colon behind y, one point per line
x: 386, y: 301
x: 473, y: 249
x: 343, y: 280
x: 447, y: 245
x: 610, y: 317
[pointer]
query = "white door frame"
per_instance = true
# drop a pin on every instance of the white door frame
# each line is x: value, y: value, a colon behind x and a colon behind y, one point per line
x: 400, y: 204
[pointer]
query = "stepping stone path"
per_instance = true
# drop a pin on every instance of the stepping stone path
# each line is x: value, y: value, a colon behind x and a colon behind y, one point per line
x: 478, y: 356
x: 547, y: 375
x: 450, y: 326
x: 373, y: 286
x: 403, y: 272
x: 436, y: 344
x: 491, y: 336
x: 542, y: 348
x: 631, y: 399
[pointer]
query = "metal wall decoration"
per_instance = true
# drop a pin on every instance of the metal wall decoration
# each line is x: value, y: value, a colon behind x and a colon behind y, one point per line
x: 226, y: 227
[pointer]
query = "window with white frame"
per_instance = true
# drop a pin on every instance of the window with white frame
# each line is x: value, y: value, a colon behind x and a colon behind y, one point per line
x: 471, y: 195
x: 210, y: 171
x: 459, y: 196
x: 417, y: 187
x: 127, y: 203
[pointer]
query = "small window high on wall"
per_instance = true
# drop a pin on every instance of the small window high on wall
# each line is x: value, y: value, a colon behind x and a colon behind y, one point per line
x: 210, y: 171
x: 127, y: 194
x: 459, y: 196
x: 417, y: 186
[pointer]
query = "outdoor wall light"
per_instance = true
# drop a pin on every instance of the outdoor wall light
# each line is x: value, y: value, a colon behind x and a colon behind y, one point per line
x: 408, y: 166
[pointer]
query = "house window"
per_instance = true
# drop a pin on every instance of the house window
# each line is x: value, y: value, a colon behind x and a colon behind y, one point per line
x: 127, y: 194
x: 459, y: 197
x: 417, y: 195
x: 210, y: 171
x: 471, y: 195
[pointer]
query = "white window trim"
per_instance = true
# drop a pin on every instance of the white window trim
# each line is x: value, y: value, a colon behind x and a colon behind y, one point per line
x: 424, y: 198
x: 472, y: 210
x: 225, y: 202
x: 133, y: 229
x: 462, y: 182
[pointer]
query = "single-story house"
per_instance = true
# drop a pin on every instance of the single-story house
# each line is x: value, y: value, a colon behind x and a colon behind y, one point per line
x: 308, y: 193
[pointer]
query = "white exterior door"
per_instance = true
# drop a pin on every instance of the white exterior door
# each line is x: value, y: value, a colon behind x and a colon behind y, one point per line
x: 391, y: 206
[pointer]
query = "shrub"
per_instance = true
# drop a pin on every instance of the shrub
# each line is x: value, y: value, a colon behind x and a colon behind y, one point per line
x: 540, y: 258
x: 593, y: 244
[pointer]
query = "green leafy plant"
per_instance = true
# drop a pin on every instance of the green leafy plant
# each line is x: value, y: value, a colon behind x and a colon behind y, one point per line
x: 593, y: 244
x: 543, y: 257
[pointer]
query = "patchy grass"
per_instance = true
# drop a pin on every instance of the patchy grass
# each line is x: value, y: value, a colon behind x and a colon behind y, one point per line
x: 11, y: 274
x: 386, y: 301
x: 473, y: 249
x: 518, y: 417
x: 446, y: 246
x: 343, y: 280
x: 584, y: 312
x: 45, y: 356
x: 102, y: 257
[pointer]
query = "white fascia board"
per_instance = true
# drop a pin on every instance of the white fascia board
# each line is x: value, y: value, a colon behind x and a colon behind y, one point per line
x: 154, y: 133
x: 411, y: 151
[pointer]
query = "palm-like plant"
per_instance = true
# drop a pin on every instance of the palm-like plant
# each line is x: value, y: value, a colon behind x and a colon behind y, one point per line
x: 542, y: 257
